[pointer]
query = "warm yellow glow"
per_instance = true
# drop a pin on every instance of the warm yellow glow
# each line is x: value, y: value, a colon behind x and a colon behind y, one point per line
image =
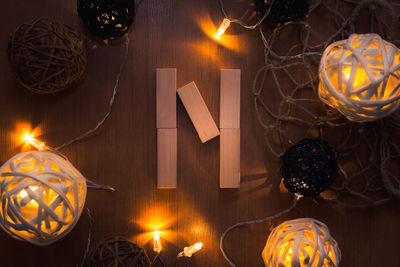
x: 360, y: 78
x: 29, y: 139
x: 229, y: 41
x: 157, y: 247
x: 222, y: 28
x: 155, y: 218
x: 286, y: 252
x: 21, y: 132
x: 189, y: 251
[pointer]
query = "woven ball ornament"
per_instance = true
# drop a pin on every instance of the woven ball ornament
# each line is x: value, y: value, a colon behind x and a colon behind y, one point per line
x: 118, y: 252
x: 107, y: 19
x: 46, y: 56
x: 360, y: 77
x: 301, y: 242
x: 42, y: 197
x: 309, y: 167
x: 283, y: 11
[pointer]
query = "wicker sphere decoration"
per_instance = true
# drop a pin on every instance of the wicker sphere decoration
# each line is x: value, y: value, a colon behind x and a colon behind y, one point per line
x: 309, y: 167
x: 42, y: 197
x: 46, y: 56
x: 301, y: 242
x: 360, y: 77
x: 283, y: 11
x: 118, y: 252
x: 107, y: 19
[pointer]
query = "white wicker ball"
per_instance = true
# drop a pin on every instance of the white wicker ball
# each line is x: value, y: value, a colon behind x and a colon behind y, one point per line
x: 360, y: 77
x: 300, y: 243
x: 42, y: 196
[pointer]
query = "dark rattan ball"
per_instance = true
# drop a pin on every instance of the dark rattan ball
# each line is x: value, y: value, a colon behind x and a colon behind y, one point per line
x: 118, y: 252
x: 47, y: 56
x: 309, y: 167
x: 283, y: 11
x: 107, y: 19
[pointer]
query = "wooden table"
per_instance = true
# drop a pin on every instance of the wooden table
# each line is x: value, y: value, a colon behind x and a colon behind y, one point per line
x: 122, y: 153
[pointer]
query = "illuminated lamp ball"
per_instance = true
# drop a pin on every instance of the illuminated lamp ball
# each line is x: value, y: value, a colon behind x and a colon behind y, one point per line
x: 46, y: 56
x: 118, y: 252
x: 360, y: 77
x: 107, y: 19
x: 301, y: 242
x: 283, y: 11
x: 42, y: 196
x: 309, y: 167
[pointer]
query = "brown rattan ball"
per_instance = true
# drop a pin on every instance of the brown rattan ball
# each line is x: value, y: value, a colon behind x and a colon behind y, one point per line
x: 118, y: 252
x: 47, y: 56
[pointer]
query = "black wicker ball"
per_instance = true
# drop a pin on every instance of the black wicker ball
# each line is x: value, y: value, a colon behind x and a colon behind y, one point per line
x: 283, y: 11
x: 309, y: 167
x: 118, y: 252
x: 107, y: 19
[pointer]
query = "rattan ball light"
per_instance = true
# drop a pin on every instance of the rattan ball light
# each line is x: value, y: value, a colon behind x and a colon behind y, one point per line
x: 301, y: 242
x: 309, y: 167
x: 118, y: 252
x: 360, y: 77
x: 41, y: 195
x: 46, y: 56
x: 107, y: 19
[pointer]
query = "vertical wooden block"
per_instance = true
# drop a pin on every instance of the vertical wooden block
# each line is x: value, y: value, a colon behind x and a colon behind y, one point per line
x: 166, y: 99
x: 198, y: 112
x: 230, y: 158
x: 230, y: 99
x: 167, y: 158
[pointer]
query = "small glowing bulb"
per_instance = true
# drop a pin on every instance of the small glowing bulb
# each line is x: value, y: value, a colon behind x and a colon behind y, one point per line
x: 28, y: 138
x: 221, y: 30
x: 189, y: 251
x: 157, y: 242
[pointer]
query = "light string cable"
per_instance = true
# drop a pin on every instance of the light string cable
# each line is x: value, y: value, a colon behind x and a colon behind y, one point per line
x: 110, y: 105
x: 159, y: 258
x: 224, y: 234
x: 88, y: 239
x: 242, y: 23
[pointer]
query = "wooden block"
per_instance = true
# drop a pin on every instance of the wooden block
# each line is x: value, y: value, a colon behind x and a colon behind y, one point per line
x: 198, y: 112
x: 166, y: 98
x: 229, y: 158
x: 167, y: 158
x: 229, y: 115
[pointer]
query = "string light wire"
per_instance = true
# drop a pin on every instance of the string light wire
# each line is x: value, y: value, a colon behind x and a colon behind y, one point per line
x: 224, y: 234
x: 110, y: 104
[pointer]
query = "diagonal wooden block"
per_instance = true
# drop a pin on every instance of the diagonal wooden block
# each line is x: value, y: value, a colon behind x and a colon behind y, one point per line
x: 166, y: 99
x: 229, y: 115
x: 198, y: 112
x: 167, y: 158
x: 230, y: 158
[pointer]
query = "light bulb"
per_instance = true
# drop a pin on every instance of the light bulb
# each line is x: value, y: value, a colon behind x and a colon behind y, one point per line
x: 189, y: 251
x: 221, y: 30
x: 157, y: 242
x: 28, y: 138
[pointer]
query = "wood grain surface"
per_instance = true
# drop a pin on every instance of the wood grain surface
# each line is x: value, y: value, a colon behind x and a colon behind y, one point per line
x: 168, y: 34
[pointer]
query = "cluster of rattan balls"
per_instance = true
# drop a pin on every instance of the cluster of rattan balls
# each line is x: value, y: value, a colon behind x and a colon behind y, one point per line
x: 46, y: 56
x: 118, y: 252
x: 309, y: 167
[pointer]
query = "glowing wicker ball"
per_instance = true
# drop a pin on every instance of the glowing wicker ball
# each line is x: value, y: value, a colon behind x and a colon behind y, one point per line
x: 360, y: 77
x: 42, y: 197
x: 301, y: 242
